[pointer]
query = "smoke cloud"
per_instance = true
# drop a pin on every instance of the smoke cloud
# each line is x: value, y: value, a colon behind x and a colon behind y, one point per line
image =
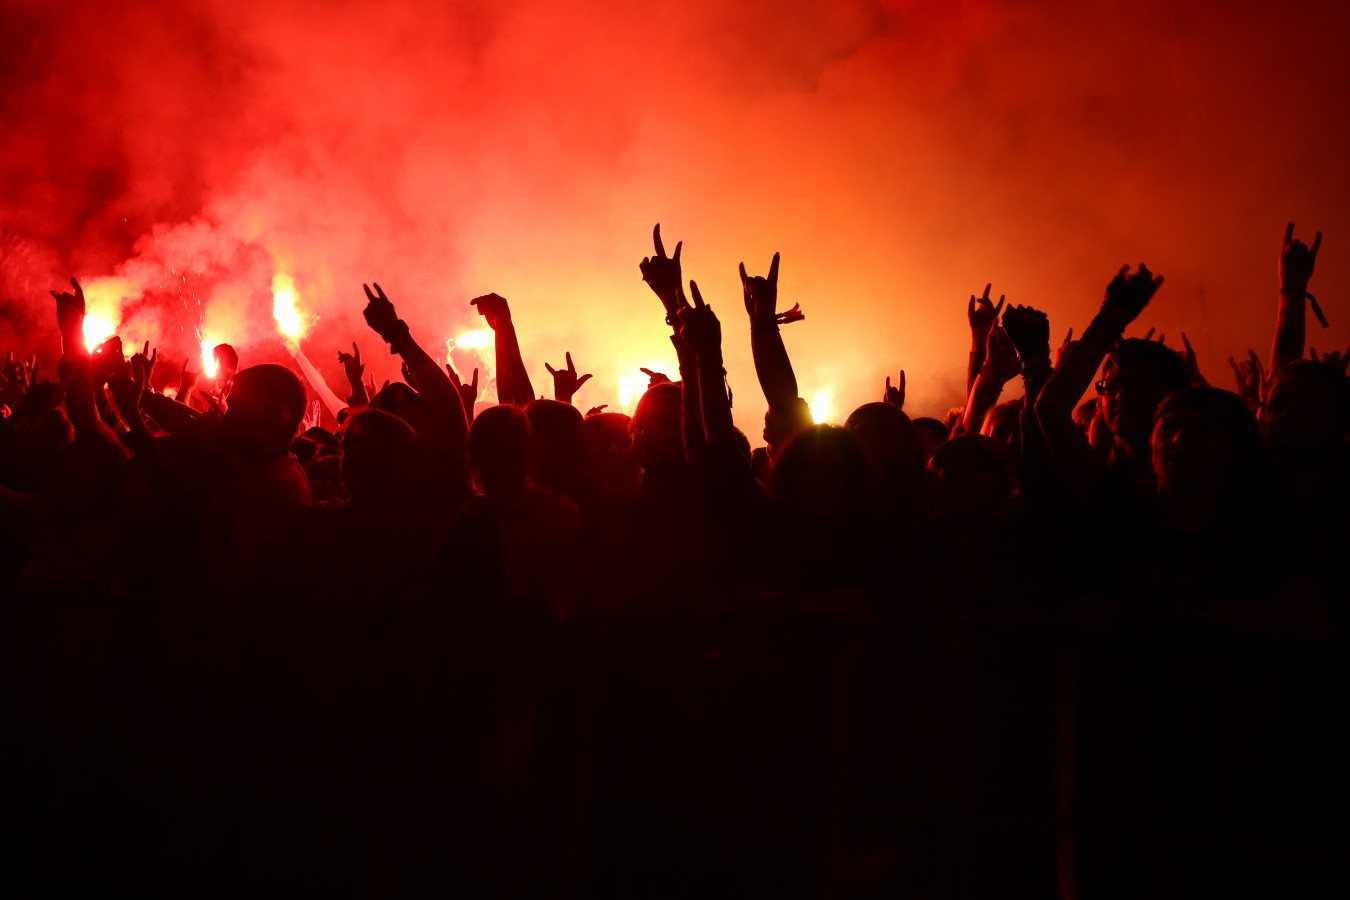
x: 175, y: 156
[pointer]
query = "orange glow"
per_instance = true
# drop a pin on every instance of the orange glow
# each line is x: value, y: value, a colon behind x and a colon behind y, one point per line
x: 284, y: 309
x: 821, y: 405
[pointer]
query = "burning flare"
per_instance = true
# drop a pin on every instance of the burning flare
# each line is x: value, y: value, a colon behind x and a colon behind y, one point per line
x: 289, y: 321
x: 97, y: 329
x: 820, y: 406
x: 209, y: 365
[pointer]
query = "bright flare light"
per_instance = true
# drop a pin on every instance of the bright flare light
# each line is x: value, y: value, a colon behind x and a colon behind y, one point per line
x: 209, y: 365
x: 475, y: 340
x: 631, y: 388
x: 97, y: 329
x: 820, y: 406
x: 289, y: 321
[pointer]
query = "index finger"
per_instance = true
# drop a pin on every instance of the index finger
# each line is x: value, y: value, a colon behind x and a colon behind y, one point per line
x: 369, y: 296
x: 1288, y: 235
x: 656, y: 239
x: 571, y: 368
x: 1317, y: 242
x: 698, y: 298
x: 744, y: 278
x: 79, y: 291
x: 475, y: 379
x: 985, y: 295
x: 773, y: 271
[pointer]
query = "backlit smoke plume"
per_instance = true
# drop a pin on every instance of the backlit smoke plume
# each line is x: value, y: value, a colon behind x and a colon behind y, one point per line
x: 179, y: 156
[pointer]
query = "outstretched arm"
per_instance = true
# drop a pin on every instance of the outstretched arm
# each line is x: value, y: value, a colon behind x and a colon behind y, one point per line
x: 1126, y: 297
x: 703, y: 334
x: 772, y: 365
x: 1000, y: 366
x: 513, y: 381
x: 983, y: 316
x: 1296, y: 268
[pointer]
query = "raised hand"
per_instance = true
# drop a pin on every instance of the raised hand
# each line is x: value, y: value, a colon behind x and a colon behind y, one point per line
x: 187, y: 382
x: 699, y: 327
x: 662, y: 274
x: 1000, y: 360
x: 126, y: 394
x: 381, y: 316
x: 468, y: 393
x: 352, y: 365
x: 143, y: 364
x: 1340, y: 361
x: 983, y: 316
x: 895, y: 396
x: 20, y: 373
x: 655, y: 378
x: 596, y: 410
x: 1252, y: 381
x: 70, y: 308
x: 494, y: 308
x: 565, y: 381
x: 1029, y: 330
x: 1127, y: 295
x: 1296, y: 262
x: 1192, y: 363
x: 1065, y: 346
x: 761, y: 296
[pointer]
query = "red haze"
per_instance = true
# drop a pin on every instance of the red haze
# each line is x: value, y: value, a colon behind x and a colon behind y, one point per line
x: 900, y: 154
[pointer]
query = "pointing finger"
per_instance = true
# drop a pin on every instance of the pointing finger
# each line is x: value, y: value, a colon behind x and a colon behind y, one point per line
x: 1288, y: 235
x: 698, y: 298
x: 656, y: 239
x: 773, y: 271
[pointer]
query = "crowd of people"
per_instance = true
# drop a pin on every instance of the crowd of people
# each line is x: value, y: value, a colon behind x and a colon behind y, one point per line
x: 1087, y: 641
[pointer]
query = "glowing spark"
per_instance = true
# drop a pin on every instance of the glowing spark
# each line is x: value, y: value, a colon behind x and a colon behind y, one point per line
x: 97, y: 329
x: 284, y: 310
x: 474, y: 340
x: 820, y: 406
x: 209, y: 365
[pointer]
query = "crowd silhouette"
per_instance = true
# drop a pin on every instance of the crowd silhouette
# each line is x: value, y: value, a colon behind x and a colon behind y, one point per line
x: 1088, y: 642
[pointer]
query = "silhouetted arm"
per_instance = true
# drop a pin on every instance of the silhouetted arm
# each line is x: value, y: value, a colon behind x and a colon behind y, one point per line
x: 1296, y: 268
x: 513, y: 381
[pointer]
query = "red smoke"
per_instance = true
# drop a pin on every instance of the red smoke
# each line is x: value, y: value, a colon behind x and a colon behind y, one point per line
x: 899, y: 154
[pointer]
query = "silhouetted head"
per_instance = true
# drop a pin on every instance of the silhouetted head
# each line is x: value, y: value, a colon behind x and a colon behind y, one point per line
x: 658, y: 440
x: 499, y: 450
x: 1135, y: 378
x: 613, y: 465
x: 974, y: 477
x: 558, y: 452
x: 887, y: 437
x: 1308, y: 409
x: 1204, y: 440
x: 227, y: 360
x: 1003, y: 423
x: 932, y: 434
x: 267, y: 405
x: 821, y: 476
x: 379, y: 457
x: 401, y: 400
x: 781, y: 425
